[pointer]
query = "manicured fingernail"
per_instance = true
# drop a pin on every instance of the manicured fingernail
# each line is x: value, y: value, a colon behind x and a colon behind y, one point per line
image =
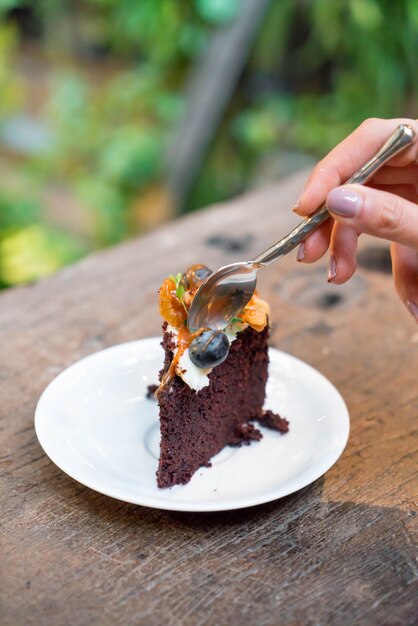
x: 332, y: 268
x: 413, y: 309
x: 300, y: 255
x: 343, y: 201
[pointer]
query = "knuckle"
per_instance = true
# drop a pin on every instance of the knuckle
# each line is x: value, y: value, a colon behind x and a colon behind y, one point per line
x: 390, y: 216
x: 319, y: 167
x: 370, y: 123
x: 327, y: 173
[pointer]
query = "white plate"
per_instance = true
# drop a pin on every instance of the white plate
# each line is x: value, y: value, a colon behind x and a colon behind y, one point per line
x: 96, y: 424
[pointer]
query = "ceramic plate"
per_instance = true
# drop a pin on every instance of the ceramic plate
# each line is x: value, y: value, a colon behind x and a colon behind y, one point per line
x: 95, y: 422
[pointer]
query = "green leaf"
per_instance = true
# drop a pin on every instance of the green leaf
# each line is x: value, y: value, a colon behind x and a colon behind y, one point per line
x: 180, y: 290
x: 176, y: 279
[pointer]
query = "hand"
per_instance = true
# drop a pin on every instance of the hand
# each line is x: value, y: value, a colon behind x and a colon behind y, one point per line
x: 387, y: 207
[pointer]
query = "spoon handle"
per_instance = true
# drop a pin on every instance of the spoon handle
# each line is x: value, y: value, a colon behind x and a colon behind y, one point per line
x: 402, y: 137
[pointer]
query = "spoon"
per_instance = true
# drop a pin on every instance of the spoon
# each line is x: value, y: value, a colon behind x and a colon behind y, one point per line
x: 224, y: 294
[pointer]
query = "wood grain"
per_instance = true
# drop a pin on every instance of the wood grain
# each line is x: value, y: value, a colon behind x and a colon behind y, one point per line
x: 341, y: 551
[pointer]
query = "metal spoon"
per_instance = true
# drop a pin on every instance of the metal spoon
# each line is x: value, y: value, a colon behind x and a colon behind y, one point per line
x: 225, y: 293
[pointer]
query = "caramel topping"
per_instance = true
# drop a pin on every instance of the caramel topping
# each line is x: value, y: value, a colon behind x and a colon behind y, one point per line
x: 174, y: 302
x: 256, y: 313
x: 174, y: 309
x: 192, y: 280
x: 184, y: 339
x: 171, y: 307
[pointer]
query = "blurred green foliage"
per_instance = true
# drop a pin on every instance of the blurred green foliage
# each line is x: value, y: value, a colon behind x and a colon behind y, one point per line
x: 117, y: 70
x: 317, y: 71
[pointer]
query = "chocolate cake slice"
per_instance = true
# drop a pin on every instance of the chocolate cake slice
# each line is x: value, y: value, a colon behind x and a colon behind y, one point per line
x: 203, y: 409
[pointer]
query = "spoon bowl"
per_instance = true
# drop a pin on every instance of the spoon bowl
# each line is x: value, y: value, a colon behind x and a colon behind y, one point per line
x: 223, y: 295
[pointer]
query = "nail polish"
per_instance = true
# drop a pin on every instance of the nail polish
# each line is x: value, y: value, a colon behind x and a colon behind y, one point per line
x: 344, y: 202
x: 413, y: 309
x: 300, y: 255
x: 332, y: 268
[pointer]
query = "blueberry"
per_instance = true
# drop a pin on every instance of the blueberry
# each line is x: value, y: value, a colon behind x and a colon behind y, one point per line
x: 196, y: 274
x: 209, y: 349
x: 202, y: 273
x: 185, y: 282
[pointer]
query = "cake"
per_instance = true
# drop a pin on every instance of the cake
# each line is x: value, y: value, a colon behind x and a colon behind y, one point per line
x: 212, y: 384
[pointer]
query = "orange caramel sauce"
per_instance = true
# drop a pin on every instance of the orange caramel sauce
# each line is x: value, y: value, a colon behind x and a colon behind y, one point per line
x: 171, y: 307
x: 192, y: 280
x: 184, y: 339
x: 256, y: 313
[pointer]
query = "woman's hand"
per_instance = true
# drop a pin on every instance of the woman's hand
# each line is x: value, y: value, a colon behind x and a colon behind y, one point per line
x: 387, y: 207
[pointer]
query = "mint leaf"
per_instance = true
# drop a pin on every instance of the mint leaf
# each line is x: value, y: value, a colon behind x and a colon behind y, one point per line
x: 177, y: 280
x: 180, y: 290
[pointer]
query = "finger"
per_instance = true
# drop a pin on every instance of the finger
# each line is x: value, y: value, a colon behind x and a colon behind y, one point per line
x: 375, y: 212
x: 315, y: 246
x: 390, y: 175
x: 405, y: 274
x: 348, y: 156
x: 343, y: 248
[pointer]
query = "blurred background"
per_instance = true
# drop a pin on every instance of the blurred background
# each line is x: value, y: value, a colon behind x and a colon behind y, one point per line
x: 116, y: 115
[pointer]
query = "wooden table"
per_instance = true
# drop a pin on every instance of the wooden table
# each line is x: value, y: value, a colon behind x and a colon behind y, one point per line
x: 340, y: 551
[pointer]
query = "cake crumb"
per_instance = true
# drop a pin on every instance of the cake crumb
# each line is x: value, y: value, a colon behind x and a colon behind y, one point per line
x: 151, y: 389
x: 245, y: 434
x: 273, y: 421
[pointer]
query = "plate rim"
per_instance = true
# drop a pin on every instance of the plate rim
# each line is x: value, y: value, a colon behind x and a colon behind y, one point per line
x: 271, y: 495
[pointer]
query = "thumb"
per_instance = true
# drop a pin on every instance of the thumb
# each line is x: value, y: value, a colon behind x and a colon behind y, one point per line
x: 375, y: 212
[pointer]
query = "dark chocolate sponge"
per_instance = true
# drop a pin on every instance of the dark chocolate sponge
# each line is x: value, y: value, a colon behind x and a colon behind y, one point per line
x: 197, y: 425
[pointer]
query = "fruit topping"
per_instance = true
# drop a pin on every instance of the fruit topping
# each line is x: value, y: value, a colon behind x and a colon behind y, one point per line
x: 196, y: 274
x: 256, y: 313
x: 171, y: 306
x: 209, y: 349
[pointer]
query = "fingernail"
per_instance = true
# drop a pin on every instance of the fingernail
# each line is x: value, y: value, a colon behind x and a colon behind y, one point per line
x: 413, y: 309
x: 300, y: 255
x: 299, y: 200
x: 332, y: 268
x: 298, y: 211
x: 343, y: 201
